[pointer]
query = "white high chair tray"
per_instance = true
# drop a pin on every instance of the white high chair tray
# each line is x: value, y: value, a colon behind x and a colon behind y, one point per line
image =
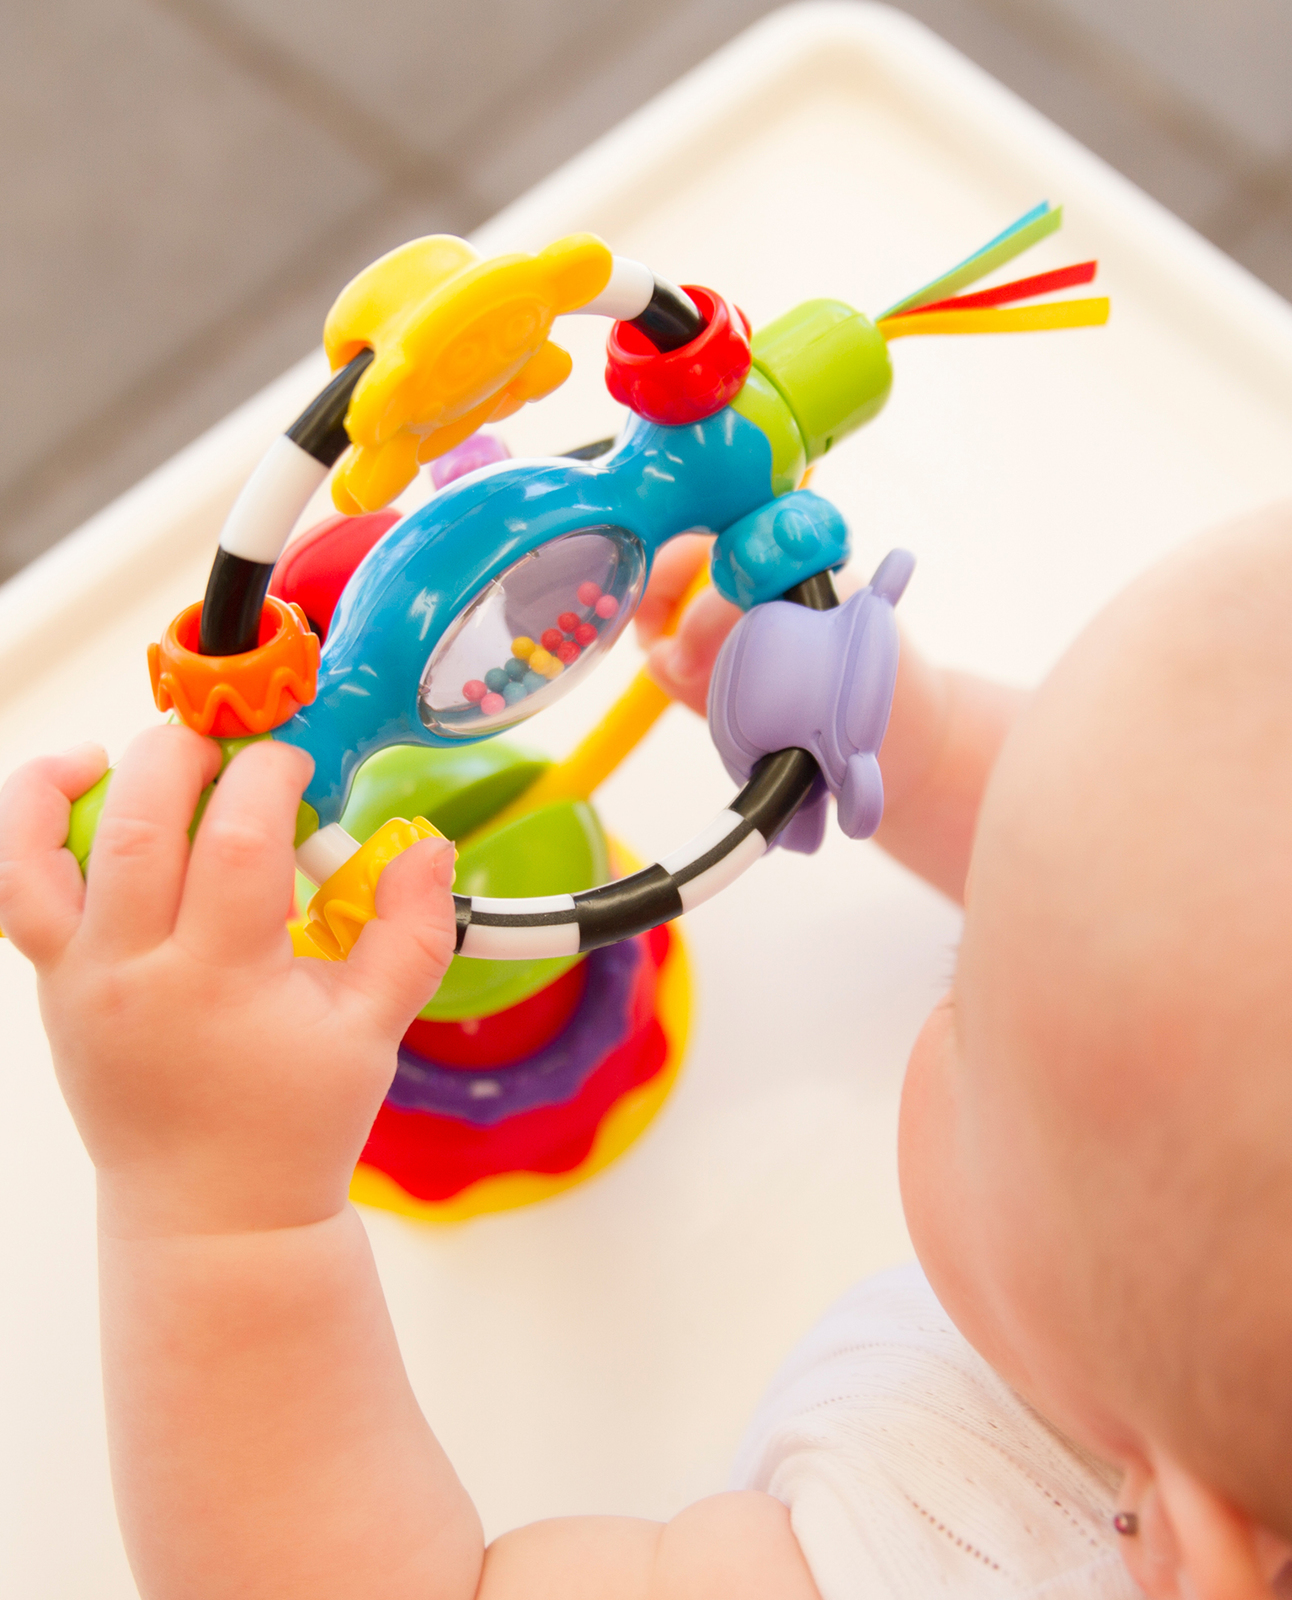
x: 601, y: 1352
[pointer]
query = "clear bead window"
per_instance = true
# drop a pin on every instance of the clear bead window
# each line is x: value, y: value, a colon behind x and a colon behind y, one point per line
x: 533, y: 632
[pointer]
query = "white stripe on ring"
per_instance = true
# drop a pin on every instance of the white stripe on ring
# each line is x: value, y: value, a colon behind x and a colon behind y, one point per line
x: 524, y: 943
x: 272, y: 498
x: 533, y: 906
x: 723, y: 871
x: 713, y: 835
x: 627, y: 294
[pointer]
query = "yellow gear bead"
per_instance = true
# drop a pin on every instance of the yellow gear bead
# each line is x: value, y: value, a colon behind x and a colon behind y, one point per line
x: 348, y: 899
x: 458, y: 342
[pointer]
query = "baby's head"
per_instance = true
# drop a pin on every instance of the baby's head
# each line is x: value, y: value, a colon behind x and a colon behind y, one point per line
x: 1097, y: 1125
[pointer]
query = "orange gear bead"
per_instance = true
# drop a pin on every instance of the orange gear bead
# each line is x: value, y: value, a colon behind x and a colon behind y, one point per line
x: 229, y: 697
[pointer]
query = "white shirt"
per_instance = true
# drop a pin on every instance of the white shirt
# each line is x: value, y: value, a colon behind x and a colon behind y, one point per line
x: 911, y: 1470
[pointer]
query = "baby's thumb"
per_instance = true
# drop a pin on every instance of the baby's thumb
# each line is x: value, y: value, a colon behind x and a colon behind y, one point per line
x: 400, y: 957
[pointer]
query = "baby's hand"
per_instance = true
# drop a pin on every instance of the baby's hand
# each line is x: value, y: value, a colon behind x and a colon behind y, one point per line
x: 682, y: 663
x: 220, y: 1084
x: 944, y: 732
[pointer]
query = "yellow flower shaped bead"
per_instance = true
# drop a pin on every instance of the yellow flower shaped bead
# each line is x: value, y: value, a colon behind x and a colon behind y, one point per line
x: 458, y: 342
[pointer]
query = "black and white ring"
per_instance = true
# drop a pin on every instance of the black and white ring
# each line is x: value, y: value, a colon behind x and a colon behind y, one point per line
x: 253, y: 538
x: 273, y: 497
x: 569, y: 924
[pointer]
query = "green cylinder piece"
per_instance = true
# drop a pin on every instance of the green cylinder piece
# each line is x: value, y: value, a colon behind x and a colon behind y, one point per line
x: 84, y: 821
x: 830, y: 363
x: 762, y: 403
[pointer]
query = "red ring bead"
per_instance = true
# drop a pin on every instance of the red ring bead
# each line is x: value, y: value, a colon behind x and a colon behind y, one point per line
x: 675, y: 387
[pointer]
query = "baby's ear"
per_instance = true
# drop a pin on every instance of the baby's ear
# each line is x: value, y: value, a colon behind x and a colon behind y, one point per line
x: 1185, y: 1541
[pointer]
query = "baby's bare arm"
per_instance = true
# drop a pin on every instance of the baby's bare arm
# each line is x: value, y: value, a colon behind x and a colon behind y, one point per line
x: 735, y: 1546
x: 265, y: 1442
x: 264, y: 1439
x: 943, y: 738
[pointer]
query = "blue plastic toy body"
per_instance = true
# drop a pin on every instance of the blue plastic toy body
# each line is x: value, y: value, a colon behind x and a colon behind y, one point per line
x: 416, y: 582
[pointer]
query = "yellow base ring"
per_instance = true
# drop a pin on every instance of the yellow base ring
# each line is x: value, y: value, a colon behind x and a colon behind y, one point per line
x: 625, y: 1122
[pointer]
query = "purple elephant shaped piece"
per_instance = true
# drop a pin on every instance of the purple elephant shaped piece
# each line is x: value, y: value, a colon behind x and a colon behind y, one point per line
x: 820, y: 681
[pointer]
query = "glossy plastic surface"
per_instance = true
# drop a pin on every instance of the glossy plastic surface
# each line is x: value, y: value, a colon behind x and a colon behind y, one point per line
x: 626, y: 1119
x: 769, y: 551
x: 480, y: 450
x: 347, y: 901
x: 458, y: 790
x: 316, y: 567
x: 416, y: 583
x: 459, y: 342
x: 505, y: 1036
x: 558, y: 850
x: 533, y: 632
x: 83, y: 822
x: 229, y: 697
x: 830, y: 364
x: 610, y: 1003
x: 433, y: 1157
x: 687, y: 384
x: 815, y: 680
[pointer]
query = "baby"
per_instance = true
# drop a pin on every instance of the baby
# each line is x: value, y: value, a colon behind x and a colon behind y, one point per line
x: 1096, y: 1159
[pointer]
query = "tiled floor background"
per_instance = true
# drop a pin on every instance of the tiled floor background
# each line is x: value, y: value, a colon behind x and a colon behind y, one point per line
x: 187, y: 182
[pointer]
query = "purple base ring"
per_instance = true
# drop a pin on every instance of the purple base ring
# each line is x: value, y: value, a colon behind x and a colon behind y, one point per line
x: 550, y: 1076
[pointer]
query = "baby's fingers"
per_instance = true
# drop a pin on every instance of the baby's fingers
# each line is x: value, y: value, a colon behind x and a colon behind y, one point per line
x: 237, y: 895
x: 682, y: 665
x: 675, y: 569
x: 41, y: 888
x: 399, y: 958
x: 136, y: 868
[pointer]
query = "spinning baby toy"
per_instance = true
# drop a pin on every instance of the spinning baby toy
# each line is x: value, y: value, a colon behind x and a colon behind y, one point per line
x: 484, y: 606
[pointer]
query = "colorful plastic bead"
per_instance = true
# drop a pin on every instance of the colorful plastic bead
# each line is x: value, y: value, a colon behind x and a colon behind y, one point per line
x: 567, y: 622
x: 607, y: 606
x: 550, y: 639
x: 676, y: 387
x: 497, y: 679
x: 314, y: 569
x: 589, y: 593
x: 514, y: 692
x: 492, y: 704
x: 229, y: 697
x: 568, y: 652
x: 515, y: 669
x: 545, y: 662
x: 585, y: 634
x: 532, y: 681
x: 474, y: 691
x: 480, y: 450
x: 347, y: 900
x: 522, y: 648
